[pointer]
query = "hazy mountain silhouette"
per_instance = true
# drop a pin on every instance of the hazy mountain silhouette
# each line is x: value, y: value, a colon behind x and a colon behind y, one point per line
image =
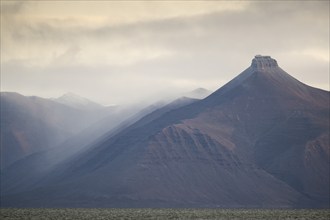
x: 25, y: 174
x: 76, y: 101
x: 199, y: 93
x: 32, y: 124
x: 261, y: 140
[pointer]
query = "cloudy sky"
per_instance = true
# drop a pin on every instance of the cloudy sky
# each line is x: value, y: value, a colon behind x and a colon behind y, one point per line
x: 116, y: 52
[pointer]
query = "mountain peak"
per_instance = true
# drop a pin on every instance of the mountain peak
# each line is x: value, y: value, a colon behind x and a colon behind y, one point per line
x: 199, y: 93
x: 74, y: 100
x: 263, y: 62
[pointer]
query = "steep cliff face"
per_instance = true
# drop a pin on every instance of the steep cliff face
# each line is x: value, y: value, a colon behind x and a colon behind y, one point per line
x: 259, y: 141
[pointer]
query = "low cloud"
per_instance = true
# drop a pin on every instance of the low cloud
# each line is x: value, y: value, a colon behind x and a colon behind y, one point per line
x: 115, y: 58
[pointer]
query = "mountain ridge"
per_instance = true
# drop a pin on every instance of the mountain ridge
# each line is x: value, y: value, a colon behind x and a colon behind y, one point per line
x: 31, y: 123
x: 245, y: 145
x: 76, y: 101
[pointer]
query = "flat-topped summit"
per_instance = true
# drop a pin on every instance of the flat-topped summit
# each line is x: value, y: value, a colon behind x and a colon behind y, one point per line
x: 263, y: 62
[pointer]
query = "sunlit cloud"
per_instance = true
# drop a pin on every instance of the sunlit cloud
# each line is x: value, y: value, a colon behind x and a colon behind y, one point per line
x: 142, y: 47
x: 317, y: 53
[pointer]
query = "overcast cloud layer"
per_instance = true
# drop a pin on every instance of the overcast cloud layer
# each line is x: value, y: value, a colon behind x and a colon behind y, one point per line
x: 117, y: 52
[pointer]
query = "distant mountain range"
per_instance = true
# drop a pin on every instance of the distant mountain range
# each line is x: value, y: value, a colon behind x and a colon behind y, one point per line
x: 260, y: 141
x: 31, y: 124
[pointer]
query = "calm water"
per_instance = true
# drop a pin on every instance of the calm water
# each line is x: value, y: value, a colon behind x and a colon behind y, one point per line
x: 163, y: 214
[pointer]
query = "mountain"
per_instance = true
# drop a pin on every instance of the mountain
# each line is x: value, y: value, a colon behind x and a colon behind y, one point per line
x: 199, y: 93
x: 25, y: 173
x: 76, y: 101
x: 261, y: 140
x: 32, y: 124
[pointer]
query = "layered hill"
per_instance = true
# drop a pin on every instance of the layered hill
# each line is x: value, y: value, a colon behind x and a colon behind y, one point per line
x: 33, y: 124
x: 261, y: 140
x: 25, y: 174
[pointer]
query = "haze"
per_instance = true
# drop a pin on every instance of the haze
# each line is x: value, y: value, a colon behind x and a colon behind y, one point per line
x: 117, y: 52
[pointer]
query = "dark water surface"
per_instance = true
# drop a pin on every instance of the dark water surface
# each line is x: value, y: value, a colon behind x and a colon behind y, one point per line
x: 83, y: 213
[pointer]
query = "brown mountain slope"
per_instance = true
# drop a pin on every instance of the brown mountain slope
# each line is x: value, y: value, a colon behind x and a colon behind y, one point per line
x: 259, y: 141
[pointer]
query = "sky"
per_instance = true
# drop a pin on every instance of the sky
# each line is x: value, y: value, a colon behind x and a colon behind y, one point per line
x: 121, y: 52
